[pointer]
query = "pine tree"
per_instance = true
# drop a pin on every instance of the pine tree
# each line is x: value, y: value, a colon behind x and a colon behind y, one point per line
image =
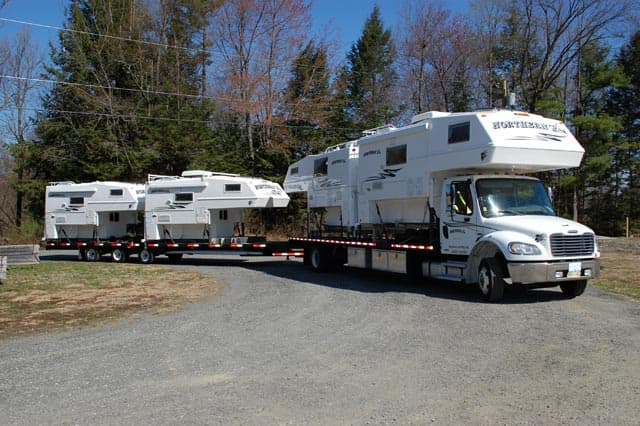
x: 308, y: 100
x: 371, y: 76
x: 128, y: 96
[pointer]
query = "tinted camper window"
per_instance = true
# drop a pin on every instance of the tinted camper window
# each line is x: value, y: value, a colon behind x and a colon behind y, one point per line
x: 76, y: 201
x: 232, y: 187
x: 459, y: 132
x: 396, y: 155
x: 294, y: 171
x: 116, y: 192
x: 184, y: 197
x: 320, y: 167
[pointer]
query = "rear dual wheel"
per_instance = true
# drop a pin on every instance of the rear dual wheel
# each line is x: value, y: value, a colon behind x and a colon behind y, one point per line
x: 319, y: 258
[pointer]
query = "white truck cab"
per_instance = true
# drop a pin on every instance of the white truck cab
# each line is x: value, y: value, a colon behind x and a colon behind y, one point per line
x: 510, y: 218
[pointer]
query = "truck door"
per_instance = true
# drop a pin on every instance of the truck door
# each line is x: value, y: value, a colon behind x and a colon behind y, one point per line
x: 458, y: 223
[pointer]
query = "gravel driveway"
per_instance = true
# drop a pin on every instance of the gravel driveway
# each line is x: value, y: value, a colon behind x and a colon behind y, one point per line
x: 284, y: 345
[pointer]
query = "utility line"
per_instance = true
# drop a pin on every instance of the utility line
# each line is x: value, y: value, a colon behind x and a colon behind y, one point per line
x: 169, y: 119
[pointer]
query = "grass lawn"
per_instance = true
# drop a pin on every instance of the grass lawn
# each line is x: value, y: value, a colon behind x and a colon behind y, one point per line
x: 56, y: 295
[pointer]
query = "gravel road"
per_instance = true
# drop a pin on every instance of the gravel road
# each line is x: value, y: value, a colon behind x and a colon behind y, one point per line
x: 284, y: 345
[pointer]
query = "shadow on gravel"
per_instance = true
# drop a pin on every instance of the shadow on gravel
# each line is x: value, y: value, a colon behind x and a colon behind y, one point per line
x: 380, y: 282
x: 351, y: 279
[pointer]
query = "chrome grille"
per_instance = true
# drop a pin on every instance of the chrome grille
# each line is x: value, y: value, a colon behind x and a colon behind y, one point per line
x: 572, y: 245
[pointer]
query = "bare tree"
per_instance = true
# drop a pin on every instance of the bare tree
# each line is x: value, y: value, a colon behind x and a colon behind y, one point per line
x: 544, y: 38
x: 18, y: 89
x: 436, y: 49
x: 256, y: 41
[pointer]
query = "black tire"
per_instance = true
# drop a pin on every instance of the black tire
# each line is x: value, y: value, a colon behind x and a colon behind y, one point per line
x: 118, y: 255
x: 573, y: 288
x: 491, y: 279
x: 82, y: 254
x: 146, y: 256
x: 319, y: 258
x: 175, y: 257
x: 92, y: 254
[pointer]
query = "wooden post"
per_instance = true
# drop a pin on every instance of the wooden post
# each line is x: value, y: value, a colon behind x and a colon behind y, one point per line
x: 628, y: 225
x: 3, y: 269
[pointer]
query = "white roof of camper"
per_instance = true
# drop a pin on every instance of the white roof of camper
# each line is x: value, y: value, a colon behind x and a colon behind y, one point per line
x: 71, y: 187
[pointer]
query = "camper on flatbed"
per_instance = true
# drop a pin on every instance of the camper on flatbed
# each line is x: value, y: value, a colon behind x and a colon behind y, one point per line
x: 450, y: 197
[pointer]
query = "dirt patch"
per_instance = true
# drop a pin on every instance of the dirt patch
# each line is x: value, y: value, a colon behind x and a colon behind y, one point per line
x: 620, y: 266
x: 42, y: 304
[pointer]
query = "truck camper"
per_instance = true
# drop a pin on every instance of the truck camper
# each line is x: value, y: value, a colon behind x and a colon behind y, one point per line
x: 204, y: 210
x: 92, y: 216
x: 448, y: 197
x: 199, y: 210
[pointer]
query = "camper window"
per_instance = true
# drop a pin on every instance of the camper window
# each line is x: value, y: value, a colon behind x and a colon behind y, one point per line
x: 396, y: 155
x: 76, y: 201
x: 294, y: 171
x: 116, y: 192
x: 232, y: 187
x: 114, y: 217
x: 320, y: 167
x: 183, y: 197
x: 459, y: 132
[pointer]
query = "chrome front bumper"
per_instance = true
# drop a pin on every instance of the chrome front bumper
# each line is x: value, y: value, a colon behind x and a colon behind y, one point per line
x: 532, y: 273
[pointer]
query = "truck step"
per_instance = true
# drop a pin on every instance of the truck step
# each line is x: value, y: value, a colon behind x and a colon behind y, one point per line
x: 448, y: 277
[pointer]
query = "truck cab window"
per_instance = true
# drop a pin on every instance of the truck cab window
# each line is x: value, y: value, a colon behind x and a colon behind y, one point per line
x: 462, y: 198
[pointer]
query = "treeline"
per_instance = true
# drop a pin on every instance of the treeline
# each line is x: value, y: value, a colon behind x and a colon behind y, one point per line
x: 134, y: 87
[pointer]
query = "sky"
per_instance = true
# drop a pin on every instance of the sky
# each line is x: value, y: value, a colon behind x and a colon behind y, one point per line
x: 347, y: 17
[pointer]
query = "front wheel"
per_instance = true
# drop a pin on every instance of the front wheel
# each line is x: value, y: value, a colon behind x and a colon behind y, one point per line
x: 146, y: 256
x: 573, y: 288
x: 491, y: 279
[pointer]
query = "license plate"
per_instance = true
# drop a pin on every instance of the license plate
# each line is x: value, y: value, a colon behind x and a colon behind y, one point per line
x: 575, y: 268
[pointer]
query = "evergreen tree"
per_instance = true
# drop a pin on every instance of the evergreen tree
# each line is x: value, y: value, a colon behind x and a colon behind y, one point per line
x: 624, y: 105
x: 594, y: 183
x: 127, y: 100
x: 308, y: 100
x: 371, y: 76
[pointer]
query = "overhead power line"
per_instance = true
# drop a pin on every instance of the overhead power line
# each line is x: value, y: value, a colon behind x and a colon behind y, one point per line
x: 168, y: 119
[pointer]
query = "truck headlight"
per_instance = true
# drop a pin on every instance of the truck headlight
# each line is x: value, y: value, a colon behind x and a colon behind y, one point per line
x: 523, y: 249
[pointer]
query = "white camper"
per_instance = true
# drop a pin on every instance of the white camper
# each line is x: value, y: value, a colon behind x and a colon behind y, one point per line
x: 77, y: 215
x: 451, y: 187
x: 202, y: 209
x: 199, y: 210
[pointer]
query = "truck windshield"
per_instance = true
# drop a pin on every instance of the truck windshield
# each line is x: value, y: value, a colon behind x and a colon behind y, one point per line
x: 504, y: 197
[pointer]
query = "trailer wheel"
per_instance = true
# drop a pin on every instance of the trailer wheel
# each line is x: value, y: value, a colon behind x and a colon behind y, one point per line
x: 319, y: 259
x: 573, y: 288
x: 491, y: 279
x: 146, y: 256
x: 92, y: 254
x: 117, y: 255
